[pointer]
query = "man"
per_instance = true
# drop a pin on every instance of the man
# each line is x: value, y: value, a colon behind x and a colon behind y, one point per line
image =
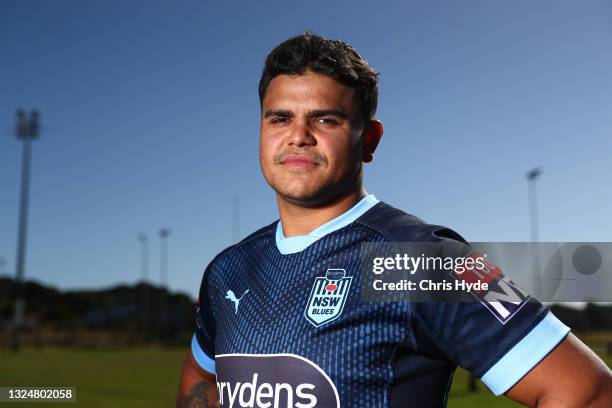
x: 259, y: 329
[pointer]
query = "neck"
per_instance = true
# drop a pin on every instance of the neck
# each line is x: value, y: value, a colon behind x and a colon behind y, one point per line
x: 300, y: 220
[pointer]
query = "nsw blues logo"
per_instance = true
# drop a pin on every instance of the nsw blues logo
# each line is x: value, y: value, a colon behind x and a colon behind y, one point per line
x: 502, y: 297
x: 327, y: 297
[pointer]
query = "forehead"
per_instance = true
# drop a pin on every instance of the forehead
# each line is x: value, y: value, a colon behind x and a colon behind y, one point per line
x: 310, y: 90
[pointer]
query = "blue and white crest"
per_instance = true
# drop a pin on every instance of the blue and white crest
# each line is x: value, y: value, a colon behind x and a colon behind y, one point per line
x: 327, y: 297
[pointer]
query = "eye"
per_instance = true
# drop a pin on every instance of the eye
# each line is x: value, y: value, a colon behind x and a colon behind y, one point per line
x: 279, y: 120
x: 326, y: 120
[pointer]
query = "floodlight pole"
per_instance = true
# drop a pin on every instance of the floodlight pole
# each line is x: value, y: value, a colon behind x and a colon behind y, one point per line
x: 144, y: 257
x: 2, y: 264
x: 144, y: 270
x: 163, y: 256
x: 532, y: 176
x: 26, y: 130
x: 163, y: 276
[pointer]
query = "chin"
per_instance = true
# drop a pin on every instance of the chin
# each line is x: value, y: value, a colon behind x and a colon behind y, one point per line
x: 310, y: 196
x: 305, y: 196
x: 307, y: 191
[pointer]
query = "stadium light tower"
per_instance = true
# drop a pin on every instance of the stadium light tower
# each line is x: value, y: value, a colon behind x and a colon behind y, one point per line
x: 27, y: 130
x: 144, y: 257
x: 2, y: 265
x: 532, y: 176
x: 164, y: 233
x: 144, y: 271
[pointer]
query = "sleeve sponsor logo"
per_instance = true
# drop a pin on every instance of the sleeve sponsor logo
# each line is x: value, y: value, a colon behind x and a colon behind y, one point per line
x: 273, y: 381
x: 198, y: 317
x: 503, y: 298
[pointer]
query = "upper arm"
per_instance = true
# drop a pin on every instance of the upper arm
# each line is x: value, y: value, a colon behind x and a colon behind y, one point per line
x: 499, y: 334
x: 571, y: 375
x: 203, y: 340
x: 198, y: 383
x: 192, y: 372
x: 198, y: 387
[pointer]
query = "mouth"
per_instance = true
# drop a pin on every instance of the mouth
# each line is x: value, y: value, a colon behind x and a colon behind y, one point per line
x: 299, y: 161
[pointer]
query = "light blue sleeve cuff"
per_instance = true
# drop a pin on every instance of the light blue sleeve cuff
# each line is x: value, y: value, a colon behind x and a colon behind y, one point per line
x: 207, y: 363
x: 525, y: 355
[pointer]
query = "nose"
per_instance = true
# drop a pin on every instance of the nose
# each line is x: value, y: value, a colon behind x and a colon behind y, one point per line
x: 301, y: 135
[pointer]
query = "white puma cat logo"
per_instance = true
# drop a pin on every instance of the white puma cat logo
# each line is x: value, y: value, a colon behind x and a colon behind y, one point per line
x: 231, y: 296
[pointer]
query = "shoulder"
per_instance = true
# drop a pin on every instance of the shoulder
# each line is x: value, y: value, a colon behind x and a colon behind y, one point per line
x: 253, y: 242
x: 398, y: 226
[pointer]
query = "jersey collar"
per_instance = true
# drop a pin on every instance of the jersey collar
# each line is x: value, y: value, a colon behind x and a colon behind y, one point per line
x: 292, y: 245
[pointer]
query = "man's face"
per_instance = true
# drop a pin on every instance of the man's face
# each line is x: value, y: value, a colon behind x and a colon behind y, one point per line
x: 310, y: 145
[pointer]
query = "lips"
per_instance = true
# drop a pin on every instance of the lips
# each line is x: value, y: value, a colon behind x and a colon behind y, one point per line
x: 299, y: 161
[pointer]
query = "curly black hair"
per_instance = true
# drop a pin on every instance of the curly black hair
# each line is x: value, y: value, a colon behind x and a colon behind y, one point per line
x: 333, y: 58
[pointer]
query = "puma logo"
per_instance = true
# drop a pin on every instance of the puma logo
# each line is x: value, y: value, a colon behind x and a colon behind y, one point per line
x: 231, y: 296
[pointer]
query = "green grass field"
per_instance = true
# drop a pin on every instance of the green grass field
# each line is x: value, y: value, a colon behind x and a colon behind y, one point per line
x: 146, y: 378
x: 131, y: 378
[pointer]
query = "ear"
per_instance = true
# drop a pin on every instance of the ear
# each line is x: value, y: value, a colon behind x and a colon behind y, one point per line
x: 371, y: 137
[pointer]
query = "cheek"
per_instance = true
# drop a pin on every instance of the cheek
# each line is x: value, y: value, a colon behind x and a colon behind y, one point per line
x: 269, y: 148
x: 266, y: 148
x: 343, y: 155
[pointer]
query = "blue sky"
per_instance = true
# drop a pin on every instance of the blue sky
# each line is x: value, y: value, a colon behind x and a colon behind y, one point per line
x: 150, y: 119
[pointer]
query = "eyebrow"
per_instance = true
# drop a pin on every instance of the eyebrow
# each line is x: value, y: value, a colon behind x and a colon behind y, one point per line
x: 313, y: 114
x: 328, y: 112
x: 278, y: 112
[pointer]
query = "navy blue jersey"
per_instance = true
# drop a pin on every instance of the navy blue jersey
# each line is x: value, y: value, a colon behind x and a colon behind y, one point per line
x: 281, y: 323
